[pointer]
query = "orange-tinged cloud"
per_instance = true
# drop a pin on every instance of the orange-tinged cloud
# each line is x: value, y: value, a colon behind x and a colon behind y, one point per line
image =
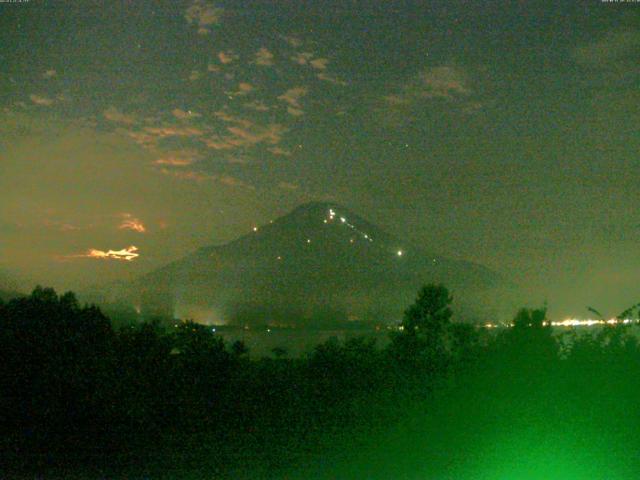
x: 162, y: 132
x: 264, y: 57
x: 184, y: 114
x: 203, y: 15
x: 319, y: 63
x: 293, y: 95
x: 174, y: 161
x: 129, y: 222
x: 279, y: 151
x: 226, y: 57
x: 41, y: 100
x: 126, y: 254
x: 302, y: 58
x: 331, y: 79
x: 114, y: 115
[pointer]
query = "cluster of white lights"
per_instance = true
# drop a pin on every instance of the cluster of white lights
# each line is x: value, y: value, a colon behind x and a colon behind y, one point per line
x: 574, y: 322
x: 343, y: 220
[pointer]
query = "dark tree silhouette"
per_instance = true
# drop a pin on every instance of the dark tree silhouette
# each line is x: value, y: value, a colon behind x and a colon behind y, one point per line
x: 430, y: 315
x: 239, y: 348
x: 421, y: 345
x: 530, y: 318
x: 280, y: 352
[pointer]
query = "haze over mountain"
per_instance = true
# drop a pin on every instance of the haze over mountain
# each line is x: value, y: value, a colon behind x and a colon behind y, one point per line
x: 318, y: 265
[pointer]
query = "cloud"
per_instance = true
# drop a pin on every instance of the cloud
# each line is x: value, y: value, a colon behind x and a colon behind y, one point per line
x: 163, y: 132
x: 41, y: 100
x: 49, y: 74
x: 439, y: 82
x: 288, y: 186
x: 244, y: 88
x: 446, y: 83
x: 129, y: 222
x: 264, y: 57
x: 293, y: 95
x: 243, y: 137
x: 302, y: 58
x: 233, y: 182
x: 178, y: 158
x: 174, y: 161
x: 227, y: 117
x: 61, y: 226
x: 227, y: 57
x: 218, y: 143
x: 395, y: 100
x: 293, y: 41
x: 200, y: 177
x: 146, y: 140
x: 186, y: 175
x: 279, y: 151
x: 114, y: 115
x: 319, y: 63
x: 203, y: 14
x: 89, y: 174
x: 621, y: 46
x: 150, y: 137
x: 257, y: 105
x: 184, y: 115
x: 296, y: 112
x: 331, y: 79
x: 126, y: 254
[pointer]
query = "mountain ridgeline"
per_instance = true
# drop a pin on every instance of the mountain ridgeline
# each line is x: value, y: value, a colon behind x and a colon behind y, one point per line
x: 320, y: 265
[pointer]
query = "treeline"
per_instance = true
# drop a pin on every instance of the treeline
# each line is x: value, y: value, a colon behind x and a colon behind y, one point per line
x: 77, y: 395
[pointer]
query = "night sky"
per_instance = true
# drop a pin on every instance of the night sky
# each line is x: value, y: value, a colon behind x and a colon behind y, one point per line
x: 507, y: 136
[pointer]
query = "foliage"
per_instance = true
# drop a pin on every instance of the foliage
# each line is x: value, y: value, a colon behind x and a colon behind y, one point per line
x: 71, y: 384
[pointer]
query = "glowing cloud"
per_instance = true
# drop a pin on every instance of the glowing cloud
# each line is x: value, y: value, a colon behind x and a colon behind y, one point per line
x: 174, y: 161
x: 127, y: 254
x: 129, y: 222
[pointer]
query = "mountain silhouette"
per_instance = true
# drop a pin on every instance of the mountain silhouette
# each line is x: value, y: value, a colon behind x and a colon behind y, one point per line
x: 317, y: 265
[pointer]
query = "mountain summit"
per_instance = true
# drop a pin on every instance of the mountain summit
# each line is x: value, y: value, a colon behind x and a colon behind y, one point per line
x: 319, y: 264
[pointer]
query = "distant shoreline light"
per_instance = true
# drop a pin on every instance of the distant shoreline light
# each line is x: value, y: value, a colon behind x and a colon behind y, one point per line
x: 573, y: 322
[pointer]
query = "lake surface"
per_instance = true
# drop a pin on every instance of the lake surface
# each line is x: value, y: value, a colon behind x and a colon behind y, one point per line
x: 295, y: 341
